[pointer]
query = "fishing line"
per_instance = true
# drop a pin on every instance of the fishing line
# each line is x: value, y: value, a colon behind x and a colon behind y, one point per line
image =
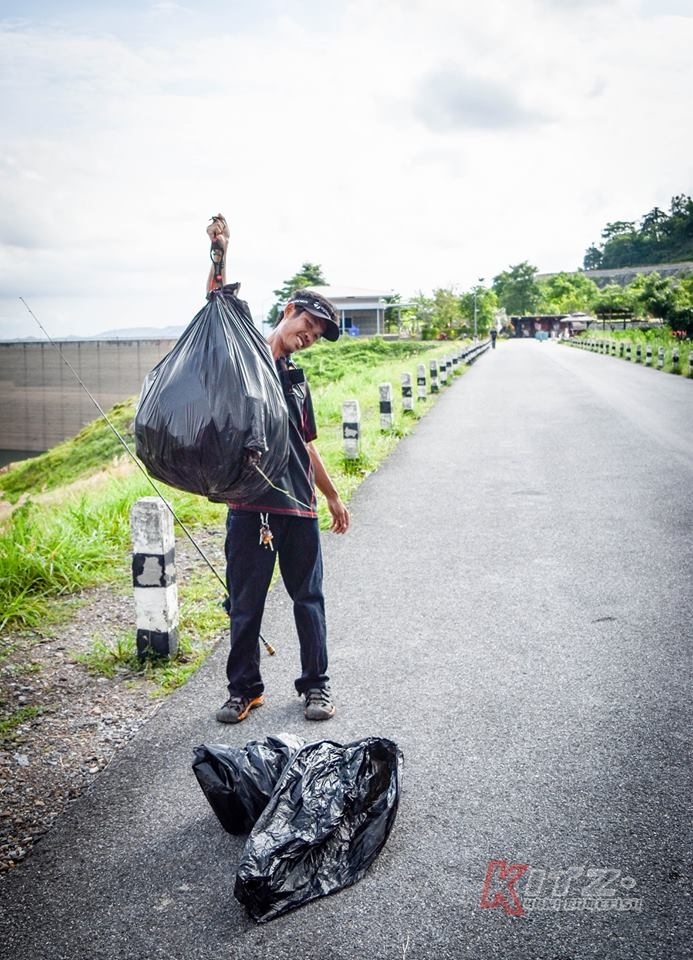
x: 280, y: 490
x: 269, y: 647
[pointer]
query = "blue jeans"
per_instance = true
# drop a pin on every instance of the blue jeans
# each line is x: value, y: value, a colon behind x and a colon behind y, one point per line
x: 249, y: 568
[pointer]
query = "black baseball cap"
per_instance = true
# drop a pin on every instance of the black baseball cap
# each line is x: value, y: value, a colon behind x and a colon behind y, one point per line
x: 320, y: 307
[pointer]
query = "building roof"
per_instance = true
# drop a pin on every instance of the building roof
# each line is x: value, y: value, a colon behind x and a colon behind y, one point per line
x: 335, y: 293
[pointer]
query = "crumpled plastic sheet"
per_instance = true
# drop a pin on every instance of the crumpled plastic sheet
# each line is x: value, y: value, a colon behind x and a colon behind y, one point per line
x: 212, y: 399
x: 327, y: 815
x: 239, y: 781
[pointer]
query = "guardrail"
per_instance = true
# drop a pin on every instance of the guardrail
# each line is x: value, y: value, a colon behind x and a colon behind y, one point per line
x: 670, y: 359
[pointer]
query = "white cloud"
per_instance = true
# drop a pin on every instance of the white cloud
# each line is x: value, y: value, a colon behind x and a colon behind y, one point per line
x: 404, y: 145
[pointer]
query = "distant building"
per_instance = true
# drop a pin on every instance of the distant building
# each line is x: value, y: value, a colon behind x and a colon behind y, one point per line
x: 361, y: 312
x: 555, y: 325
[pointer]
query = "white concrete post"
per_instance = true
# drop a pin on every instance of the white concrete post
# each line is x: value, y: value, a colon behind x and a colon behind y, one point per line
x: 660, y: 358
x: 407, y: 399
x: 421, y: 380
x: 675, y: 357
x: 434, y: 376
x: 154, y: 578
x: 648, y: 355
x: 443, y: 373
x: 386, y: 417
x: 351, y: 429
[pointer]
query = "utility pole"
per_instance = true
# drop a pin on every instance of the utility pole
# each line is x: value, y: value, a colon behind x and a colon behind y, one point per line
x: 476, y: 290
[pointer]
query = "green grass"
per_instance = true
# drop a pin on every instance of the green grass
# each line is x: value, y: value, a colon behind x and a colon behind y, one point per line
x: 93, y: 448
x: 9, y: 724
x: 49, y: 551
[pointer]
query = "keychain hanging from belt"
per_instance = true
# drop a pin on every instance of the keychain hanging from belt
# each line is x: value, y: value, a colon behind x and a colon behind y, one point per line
x: 266, y: 536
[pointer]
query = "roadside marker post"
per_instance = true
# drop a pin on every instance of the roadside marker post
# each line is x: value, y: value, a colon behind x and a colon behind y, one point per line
x: 351, y: 429
x: 386, y: 416
x: 407, y: 399
x: 154, y: 578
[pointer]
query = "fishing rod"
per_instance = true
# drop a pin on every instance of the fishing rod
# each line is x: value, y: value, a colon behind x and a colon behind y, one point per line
x: 268, y: 646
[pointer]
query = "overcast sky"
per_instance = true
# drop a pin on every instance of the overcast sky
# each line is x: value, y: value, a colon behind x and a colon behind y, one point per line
x: 403, y: 145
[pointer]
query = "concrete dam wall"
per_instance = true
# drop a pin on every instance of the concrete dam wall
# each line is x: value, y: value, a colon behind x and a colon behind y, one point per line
x: 41, y: 401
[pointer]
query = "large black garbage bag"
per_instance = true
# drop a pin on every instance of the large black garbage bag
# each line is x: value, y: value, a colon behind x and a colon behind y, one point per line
x: 324, y: 825
x: 212, y: 399
x: 238, y: 781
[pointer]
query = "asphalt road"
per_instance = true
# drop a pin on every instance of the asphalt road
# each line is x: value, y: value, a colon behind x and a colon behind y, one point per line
x: 512, y: 606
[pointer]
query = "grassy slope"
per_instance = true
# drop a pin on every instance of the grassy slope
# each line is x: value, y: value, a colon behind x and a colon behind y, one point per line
x: 57, y: 543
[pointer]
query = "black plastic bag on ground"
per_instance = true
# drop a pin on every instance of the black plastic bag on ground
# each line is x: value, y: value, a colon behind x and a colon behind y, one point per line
x: 214, y: 398
x: 238, y: 781
x: 324, y: 825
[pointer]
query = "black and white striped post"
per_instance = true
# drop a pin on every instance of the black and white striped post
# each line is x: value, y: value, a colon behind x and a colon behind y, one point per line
x: 154, y: 578
x: 407, y: 398
x: 660, y: 358
x: 386, y: 416
x: 434, y: 376
x: 351, y: 429
x: 690, y: 364
x: 628, y: 353
x: 648, y: 355
x: 442, y: 373
x: 638, y: 352
x: 421, y: 381
x: 675, y: 357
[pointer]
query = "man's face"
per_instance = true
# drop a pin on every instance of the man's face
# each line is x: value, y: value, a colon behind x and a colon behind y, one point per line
x: 299, y: 329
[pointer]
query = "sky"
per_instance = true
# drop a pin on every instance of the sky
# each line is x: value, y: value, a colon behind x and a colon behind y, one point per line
x: 403, y: 145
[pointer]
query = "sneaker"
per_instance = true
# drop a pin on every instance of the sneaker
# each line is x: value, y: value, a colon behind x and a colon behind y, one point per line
x: 237, y: 708
x: 319, y: 704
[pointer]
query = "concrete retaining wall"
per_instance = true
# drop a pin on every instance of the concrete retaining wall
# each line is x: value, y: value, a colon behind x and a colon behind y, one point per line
x: 41, y: 402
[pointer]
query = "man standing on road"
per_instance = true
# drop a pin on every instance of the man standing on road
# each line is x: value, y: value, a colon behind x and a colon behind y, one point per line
x: 282, y: 522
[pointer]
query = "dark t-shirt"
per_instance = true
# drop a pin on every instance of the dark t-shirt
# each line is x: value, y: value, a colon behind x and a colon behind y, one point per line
x: 297, y: 480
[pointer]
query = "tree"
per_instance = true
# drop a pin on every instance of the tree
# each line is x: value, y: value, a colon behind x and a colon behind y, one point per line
x: 681, y: 320
x: 593, y: 258
x: 654, y: 295
x: 517, y: 289
x: 619, y: 228
x: 310, y: 275
x: 665, y: 298
x: 424, y: 319
x: 615, y: 303
x: 448, y: 318
x: 659, y: 238
x: 392, y: 315
x: 486, y: 309
x: 567, y: 293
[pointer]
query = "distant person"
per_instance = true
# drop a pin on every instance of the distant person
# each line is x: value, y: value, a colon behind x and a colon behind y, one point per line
x: 494, y: 334
x: 277, y: 525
